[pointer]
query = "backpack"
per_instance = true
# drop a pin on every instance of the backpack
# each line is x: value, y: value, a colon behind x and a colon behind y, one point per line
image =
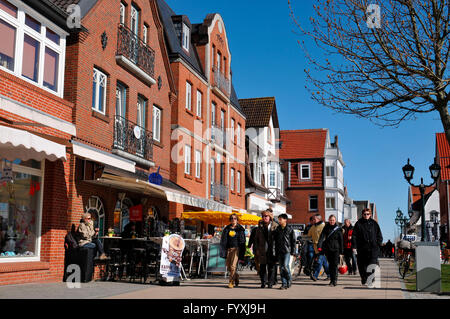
x: 70, y: 241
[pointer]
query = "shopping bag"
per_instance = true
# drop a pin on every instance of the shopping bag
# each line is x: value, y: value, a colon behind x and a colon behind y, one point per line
x: 342, y: 266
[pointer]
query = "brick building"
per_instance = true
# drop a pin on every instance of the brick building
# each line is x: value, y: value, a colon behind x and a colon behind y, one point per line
x: 208, y: 124
x: 443, y: 158
x: 315, y: 182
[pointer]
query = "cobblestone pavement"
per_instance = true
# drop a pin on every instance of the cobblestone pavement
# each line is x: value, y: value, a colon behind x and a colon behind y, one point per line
x: 349, y: 287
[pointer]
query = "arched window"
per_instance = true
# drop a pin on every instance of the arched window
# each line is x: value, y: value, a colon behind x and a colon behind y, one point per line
x: 96, y: 209
x: 123, y: 206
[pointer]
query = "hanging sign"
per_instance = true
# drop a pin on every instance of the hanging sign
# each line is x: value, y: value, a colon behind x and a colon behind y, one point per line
x: 7, y: 174
x: 155, y: 178
x: 171, y: 254
x: 136, y: 213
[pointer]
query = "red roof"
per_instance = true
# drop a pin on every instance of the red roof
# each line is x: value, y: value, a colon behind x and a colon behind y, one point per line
x: 443, y: 151
x: 303, y: 143
x: 415, y: 192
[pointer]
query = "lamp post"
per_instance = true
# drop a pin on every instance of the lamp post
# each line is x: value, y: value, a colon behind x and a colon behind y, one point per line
x: 401, y: 221
x: 408, y: 172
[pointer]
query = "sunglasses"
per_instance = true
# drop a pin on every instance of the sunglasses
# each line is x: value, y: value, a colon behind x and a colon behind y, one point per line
x: 366, y: 214
x: 233, y: 218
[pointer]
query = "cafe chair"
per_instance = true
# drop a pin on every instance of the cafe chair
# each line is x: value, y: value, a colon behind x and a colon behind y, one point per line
x: 136, y: 264
x: 116, y: 264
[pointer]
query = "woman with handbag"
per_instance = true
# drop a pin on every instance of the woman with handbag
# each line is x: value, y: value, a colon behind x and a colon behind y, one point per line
x: 331, y: 244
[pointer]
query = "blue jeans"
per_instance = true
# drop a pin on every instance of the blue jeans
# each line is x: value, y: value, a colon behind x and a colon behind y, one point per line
x: 309, y: 255
x: 285, y: 272
x: 96, y: 244
x: 322, y: 261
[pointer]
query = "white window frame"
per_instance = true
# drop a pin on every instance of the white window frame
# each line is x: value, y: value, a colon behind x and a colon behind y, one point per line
x: 99, y: 77
x: 232, y: 129
x: 189, y: 96
x: 331, y: 169
x: 145, y: 34
x: 238, y: 139
x: 258, y: 171
x: 21, y: 29
x: 156, y: 123
x: 199, y: 103
x: 39, y: 173
x: 213, y: 114
x: 122, y: 13
x: 331, y: 198
x: 187, y: 159
x: 198, y: 163
x: 232, y: 179
x: 272, y: 168
x: 134, y: 21
x: 140, y: 106
x: 238, y: 182
x: 185, y: 37
x: 301, y: 171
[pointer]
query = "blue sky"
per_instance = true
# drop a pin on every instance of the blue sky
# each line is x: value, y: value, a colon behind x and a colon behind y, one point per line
x: 267, y: 61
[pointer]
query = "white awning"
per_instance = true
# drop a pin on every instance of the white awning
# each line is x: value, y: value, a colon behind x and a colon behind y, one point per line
x: 100, y: 156
x: 15, y: 143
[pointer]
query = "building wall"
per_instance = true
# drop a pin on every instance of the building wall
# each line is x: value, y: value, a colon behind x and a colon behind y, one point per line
x: 299, y: 207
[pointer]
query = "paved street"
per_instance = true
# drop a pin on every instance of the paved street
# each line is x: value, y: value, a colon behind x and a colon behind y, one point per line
x: 349, y: 287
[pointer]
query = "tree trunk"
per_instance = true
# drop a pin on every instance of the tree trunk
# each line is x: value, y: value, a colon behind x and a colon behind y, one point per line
x: 445, y: 119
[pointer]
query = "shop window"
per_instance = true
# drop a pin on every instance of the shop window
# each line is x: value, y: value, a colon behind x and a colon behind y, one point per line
x: 96, y: 209
x: 122, y: 214
x: 20, y: 209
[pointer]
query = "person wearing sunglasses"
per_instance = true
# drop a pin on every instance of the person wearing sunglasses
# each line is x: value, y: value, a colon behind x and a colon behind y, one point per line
x: 232, y: 247
x: 88, y: 235
x: 367, y: 240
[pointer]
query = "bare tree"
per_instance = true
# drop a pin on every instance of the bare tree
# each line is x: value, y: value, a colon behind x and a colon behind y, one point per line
x: 387, y: 67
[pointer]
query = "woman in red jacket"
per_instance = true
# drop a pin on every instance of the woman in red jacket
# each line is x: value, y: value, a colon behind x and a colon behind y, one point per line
x: 349, y: 256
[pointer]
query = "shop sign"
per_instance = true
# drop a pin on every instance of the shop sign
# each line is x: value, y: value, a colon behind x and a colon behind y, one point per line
x: 171, y: 254
x: 155, y: 178
x: 136, y: 213
x: 7, y: 175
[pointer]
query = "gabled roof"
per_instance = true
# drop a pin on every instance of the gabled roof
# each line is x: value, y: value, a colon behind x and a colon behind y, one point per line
x: 298, y: 144
x: 259, y: 110
x: 416, y: 203
x: 443, y: 152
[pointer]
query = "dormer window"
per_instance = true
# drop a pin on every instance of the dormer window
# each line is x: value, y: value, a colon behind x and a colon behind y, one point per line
x: 185, y: 37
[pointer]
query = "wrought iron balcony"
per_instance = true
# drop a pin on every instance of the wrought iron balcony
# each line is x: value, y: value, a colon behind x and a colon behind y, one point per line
x: 221, y: 82
x: 132, y: 138
x: 130, y: 48
x: 219, y: 193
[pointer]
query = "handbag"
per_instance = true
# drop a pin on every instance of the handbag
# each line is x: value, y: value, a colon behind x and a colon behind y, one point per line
x: 342, y: 266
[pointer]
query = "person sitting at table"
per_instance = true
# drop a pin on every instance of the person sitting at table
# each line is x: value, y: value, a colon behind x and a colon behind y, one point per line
x: 88, y: 236
x: 129, y: 230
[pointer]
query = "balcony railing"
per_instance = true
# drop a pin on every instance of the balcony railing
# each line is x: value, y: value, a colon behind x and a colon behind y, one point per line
x: 221, y: 82
x: 134, y: 49
x: 219, y: 193
x: 132, y: 138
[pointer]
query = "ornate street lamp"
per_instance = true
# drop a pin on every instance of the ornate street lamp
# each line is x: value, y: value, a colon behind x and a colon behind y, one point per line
x: 435, y: 171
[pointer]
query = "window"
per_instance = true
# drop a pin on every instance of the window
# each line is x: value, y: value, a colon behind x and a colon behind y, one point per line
x: 156, y: 123
x: 188, y: 96
x: 330, y: 203
x: 213, y: 176
x: 305, y: 171
x: 213, y: 114
x: 198, y: 163
x: 185, y: 40
x: 330, y: 171
x: 121, y: 99
x: 99, y: 91
x: 134, y: 20
x: 219, y: 58
x: 238, y: 182
x: 232, y: 179
x: 20, y: 210
x: 239, y: 135
x: 187, y: 159
x: 141, y: 118
x: 313, y: 203
x: 281, y: 183
x: 232, y: 130
x: 199, y: 103
x: 30, y: 48
x: 258, y: 171
x: 122, y: 13
x: 272, y: 174
x: 145, y: 34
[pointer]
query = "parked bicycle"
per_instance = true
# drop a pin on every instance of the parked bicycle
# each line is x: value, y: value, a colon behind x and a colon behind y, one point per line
x: 406, y: 262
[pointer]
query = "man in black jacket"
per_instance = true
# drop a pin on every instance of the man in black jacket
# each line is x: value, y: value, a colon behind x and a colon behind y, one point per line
x: 366, y: 239
x: 284, y: 239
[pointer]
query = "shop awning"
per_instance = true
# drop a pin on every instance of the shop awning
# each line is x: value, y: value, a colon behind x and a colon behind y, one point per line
x: 219, y: 218
x: 15, y: 143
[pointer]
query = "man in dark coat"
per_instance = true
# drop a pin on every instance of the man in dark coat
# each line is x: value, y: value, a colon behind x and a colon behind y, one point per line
x: 284, y: 241
x: 366, y: 239
x: 388, y: 248
x: 232, y: 247
x: 263, y: 249
x: 332, y: 245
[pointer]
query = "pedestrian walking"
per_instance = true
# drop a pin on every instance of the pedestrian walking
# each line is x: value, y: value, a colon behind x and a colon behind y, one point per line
x: 388, y: 248
x: 319, y: 260
x: 349, y: 255
x: 366, y: 240
x: 232, y: 247
x: 284, y: 241
x: 263, y: 248
x: 331, y: 244
x: 308, y: 249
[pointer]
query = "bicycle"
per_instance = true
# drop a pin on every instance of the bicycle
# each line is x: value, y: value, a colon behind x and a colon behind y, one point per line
x: 406, y: 263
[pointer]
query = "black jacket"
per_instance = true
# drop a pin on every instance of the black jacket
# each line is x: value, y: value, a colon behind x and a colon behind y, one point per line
x: 367, y: 235
x: 284, y: 240
x: 331, y: 239
x: 240, y: 233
